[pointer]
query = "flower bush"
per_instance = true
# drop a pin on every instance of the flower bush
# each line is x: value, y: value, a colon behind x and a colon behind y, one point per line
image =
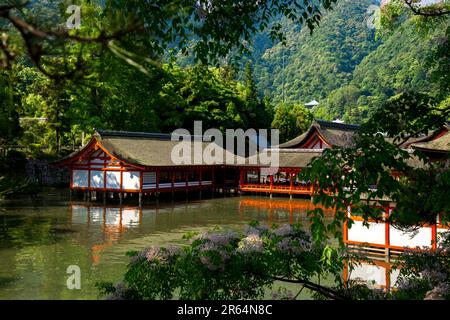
x: 231, y: 265
x: 228, y: 265
x: 425, y: 274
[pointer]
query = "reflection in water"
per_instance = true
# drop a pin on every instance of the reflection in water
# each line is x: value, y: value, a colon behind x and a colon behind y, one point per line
x: 39, y: 240
x: 277, y: 210
x: 113, y: 221
x: 376, y: 274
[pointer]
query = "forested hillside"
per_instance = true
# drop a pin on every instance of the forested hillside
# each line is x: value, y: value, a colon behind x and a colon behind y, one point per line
x: 315, y: 65
x: 342, y: 64
x: 404, y: 62
x: 348, y: 68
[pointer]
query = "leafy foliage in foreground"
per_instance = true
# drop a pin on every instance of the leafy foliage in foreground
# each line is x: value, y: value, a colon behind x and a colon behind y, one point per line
x: 229, y: 265
x: 365, y: 175
x: 425, y: 274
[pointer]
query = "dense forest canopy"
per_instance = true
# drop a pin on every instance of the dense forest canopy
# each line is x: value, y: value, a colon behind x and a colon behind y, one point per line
x: 311, y: 66
x: 112, y: 71
x: 349, y: 67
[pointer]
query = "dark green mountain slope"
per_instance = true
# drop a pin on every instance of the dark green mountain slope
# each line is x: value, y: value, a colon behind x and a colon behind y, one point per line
x: 403, y: 62
x: 317, y: 64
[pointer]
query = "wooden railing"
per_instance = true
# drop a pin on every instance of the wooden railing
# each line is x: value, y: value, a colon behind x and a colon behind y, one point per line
x: 382, y: 234
x: 277, y: 188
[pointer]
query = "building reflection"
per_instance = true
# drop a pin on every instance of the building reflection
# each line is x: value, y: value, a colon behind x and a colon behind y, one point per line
x: 375, y: 273
x: 374, y: 270
x: 113, y: 221
x: 277, y: 209
x: 108, y: 224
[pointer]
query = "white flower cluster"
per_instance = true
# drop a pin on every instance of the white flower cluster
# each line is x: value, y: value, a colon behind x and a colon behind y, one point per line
x: 250, y: 244
x: 156, y: 253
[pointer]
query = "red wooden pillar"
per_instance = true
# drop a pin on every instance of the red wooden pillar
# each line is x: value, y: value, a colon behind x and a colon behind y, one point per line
x: 345, y: 275
x: 271, y: 182
x: 242, y: 172
x: 104, y: 173
x: 121, y: 178
x: 345, y: 232
x: 349, y: 208
x: 388, y: 279
x: 386, y: 228
x: 290, y: 181
x: 89, y: 177
x: 434, y: 236
x: 157, y: 179
x: 173, y: 180
x: 71, y: 178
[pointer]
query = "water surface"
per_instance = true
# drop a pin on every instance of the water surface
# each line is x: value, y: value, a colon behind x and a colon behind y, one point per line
x: 40, y: 238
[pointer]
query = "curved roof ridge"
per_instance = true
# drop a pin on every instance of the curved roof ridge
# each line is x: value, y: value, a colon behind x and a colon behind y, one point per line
x: 141, y: 134
x: 337, y: 125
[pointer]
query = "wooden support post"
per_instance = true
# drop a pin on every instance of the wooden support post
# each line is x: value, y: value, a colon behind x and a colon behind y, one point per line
x: 387, y: 235
x: 173, y: 184
x: 173, y: 179
x: 434, y: 238
x: 157, y: 180
x: 120, y: 198
x: 140, y: 199
x: 242, y: 173
x: 345, y: 227
x: 291, y: 182
x: 271, y: 186
x: 388, y: 279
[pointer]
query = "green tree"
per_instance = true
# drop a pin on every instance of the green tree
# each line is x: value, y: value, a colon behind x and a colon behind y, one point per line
x: 291, y: 120
x: 9, y: 118
x: 137, y: 31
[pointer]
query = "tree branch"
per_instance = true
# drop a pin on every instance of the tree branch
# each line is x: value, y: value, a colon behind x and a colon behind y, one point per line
x: 327, y: 292
x: 30, y: 32
x: 420, y: 12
